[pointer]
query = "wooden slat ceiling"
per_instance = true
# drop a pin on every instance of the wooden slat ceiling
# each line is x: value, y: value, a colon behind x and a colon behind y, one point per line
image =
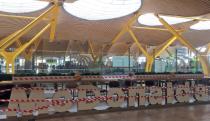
x: 70, y: 28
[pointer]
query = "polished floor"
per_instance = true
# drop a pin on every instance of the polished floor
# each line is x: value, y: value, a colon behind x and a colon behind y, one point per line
x: 184, y: 113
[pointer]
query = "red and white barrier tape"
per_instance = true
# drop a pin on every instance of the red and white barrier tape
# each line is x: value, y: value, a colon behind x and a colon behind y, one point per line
x: 61, y: 102
x: 25, y: 111
x: 100, y: 98
x: 76, y: 89
x: 6, y: 90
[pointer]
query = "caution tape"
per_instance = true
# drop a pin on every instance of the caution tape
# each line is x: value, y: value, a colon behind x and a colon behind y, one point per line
x: 100, y: 98
x: 6, y: 90
x: 76, y: 89
x: 63, y: 102
x: 24, y: 111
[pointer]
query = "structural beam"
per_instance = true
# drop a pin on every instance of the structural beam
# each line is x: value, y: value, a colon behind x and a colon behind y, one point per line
x: 149, y: 64
x: 164, y: 46
x: 152, y: 28
x: 18, y: 17
x: 203, y: 61
x: 19, y: 44
x: 122, y: 32
x: 169, y: 53
x: 10, y: 56
x: 68, y: 49
x: 158, y: 51
x: 14, y: 37
x: 138, y: 43
x: 6, y: 39
x: 125, y: 27
x: 24, y: 46
x: 28, y: 56
x: 90, y: 44
x: 150, y: 58
x: 207, y: 49
x: 54, y: 22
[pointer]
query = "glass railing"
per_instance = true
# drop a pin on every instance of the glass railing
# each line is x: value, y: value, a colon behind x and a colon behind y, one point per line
x: 97, y: 71
x: 104, y: 70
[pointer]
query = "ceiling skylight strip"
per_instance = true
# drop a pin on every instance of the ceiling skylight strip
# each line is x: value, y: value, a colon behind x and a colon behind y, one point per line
x: 102, y: 9
x: 22, y: 6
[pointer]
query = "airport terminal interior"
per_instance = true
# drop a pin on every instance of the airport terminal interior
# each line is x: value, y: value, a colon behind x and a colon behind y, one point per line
x: 104, y: 60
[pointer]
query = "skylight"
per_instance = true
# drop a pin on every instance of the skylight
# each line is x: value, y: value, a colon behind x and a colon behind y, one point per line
x: 22, y: 6
x: 201, y: 49
x: 102, y: 9
x: 202, y: 25
x: 150, y: 19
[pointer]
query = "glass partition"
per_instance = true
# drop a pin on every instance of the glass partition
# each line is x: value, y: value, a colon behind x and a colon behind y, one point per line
x: 181, y: 60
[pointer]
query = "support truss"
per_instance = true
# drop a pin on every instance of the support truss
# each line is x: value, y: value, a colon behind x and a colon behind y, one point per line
x: 203, y: 60
x: 94, y: 56
x: 150, y: 57
x: 11, y: 55
x: 207, y: 49
x: 158, y: 50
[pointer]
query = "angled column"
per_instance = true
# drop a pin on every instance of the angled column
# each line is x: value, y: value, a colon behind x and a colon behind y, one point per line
x: 10, y: 56
x: 92, y: 51
x: 150, y: 59
x: 203, y: 60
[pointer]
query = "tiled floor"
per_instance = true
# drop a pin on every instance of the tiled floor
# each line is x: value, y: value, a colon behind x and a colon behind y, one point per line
x: 185, y: 113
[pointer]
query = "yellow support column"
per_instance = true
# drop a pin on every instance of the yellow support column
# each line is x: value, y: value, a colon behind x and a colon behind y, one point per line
x: 92, y: 51
x: 54, y: 22
x: 149, y: 64
x: 10, y: 66
x: 164, y: 46
x: 208, y: 49
x: 25, y: 54
x: 138, y: 43
x: 10, y: 62
x: 150, y: 59
x: 28, y: 56
x: 203, y: 61
x: 126, y: 27
x: 11, y: 56
x: 123, y: 31
x: 14, y: 37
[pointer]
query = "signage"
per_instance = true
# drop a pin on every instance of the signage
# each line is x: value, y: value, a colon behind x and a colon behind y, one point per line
x: 89, y: 97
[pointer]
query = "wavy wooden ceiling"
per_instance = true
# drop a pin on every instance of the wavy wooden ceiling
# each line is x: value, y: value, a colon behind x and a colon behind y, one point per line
x: 71, y: 28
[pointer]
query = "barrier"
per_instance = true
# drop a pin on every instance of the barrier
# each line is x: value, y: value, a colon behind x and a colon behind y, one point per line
x: 105, y: 78
x: 165, y: 90
x: 114, y: 97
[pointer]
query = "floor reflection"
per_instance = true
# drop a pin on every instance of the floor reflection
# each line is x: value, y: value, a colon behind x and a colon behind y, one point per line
x: 185, y: 113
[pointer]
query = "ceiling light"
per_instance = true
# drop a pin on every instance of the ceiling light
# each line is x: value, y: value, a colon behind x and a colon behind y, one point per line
x: 150, y: 19
x: 201, y: 49
x: 202, y: 25
x: 22, y: 6
x: 102, y: 9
